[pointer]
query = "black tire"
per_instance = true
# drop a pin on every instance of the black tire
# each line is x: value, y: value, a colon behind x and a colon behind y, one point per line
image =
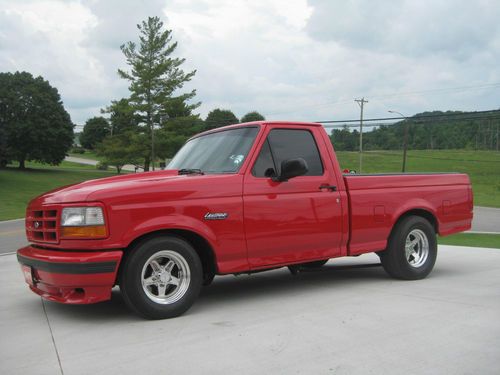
x: 417, y: 263
x: 313, y: 265
x: 208, y: 278
x: 152, y: 301
x: 309, y: 266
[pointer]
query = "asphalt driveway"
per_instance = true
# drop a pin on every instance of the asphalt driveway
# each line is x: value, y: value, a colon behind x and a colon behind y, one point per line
x: 336, y: 321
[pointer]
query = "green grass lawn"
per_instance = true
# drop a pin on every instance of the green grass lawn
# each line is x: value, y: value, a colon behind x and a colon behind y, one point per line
x: 88, y: 154
x: 472, y: 239
x: 483, y: 167
x: 18, y: 187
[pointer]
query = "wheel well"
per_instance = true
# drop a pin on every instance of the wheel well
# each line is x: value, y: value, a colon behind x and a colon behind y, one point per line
x: 200, y: 245
x: 422, y: 213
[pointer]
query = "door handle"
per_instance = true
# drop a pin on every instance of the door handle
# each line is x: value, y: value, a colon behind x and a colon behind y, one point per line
x: 328, y: 187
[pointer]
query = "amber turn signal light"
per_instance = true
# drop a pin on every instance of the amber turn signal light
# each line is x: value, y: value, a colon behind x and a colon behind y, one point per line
x: 90, y: 231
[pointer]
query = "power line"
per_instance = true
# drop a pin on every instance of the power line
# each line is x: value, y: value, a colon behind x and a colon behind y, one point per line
x: 421, y: 117
x: 397, y: 94
x: 437, y: 123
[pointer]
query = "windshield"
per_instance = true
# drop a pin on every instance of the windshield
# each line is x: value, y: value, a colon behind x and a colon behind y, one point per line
x: 220, y: 152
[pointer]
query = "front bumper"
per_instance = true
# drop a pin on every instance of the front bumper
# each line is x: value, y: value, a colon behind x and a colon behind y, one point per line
x: 70, y: 277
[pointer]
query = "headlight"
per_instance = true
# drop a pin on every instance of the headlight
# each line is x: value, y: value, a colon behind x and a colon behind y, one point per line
x: 81, y: 216
x: 82, y: 222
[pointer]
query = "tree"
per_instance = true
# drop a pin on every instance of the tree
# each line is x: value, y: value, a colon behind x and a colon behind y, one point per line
x: 122, y: 116
x: 174, y: 133
x: 94, y: 131
x: 121, y: 149
x: 155, y: 76
x: 252, y: 116
x: 4, y: 155
x: 345, y: 140
x: 438, y: 130
x: 220, y: 117
x: 35, y: 124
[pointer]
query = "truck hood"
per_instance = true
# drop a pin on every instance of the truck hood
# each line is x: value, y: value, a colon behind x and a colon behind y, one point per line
x: 158, y: 182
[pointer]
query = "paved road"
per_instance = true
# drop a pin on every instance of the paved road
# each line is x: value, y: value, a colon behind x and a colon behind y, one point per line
x: 486, y: 219
x: 12, y: 234
x: 334, y: 321
x: 127, y: 167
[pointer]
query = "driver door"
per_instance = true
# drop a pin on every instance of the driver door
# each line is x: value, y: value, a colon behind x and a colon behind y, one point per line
x: 293, y: 221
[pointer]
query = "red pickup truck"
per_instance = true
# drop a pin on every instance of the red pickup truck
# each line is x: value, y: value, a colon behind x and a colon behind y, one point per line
x: 238, y: 199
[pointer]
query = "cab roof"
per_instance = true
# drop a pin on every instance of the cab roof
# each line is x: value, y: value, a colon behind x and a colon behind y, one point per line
x: 260, y: 123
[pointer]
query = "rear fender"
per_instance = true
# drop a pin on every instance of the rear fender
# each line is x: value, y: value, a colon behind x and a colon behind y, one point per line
x: 415, y: 205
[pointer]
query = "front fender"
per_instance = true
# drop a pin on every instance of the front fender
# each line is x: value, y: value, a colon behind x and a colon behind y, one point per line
x: 173, y: 221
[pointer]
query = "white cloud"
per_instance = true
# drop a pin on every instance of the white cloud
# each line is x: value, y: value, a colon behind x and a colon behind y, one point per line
x: 304, y: 60
x: 45, y: 39
x: 73, y: 44
x: 417, y: 28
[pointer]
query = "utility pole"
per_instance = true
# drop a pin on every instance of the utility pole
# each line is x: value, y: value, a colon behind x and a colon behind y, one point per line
x: 361, y: 102
x: 497, y: 136
x: 491, y: 134
x: 405, y: 138
x: 405, y: 145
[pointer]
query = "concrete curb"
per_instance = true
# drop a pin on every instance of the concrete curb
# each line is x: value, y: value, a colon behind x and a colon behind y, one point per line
x: 479, y: 232
x: 11, y: 221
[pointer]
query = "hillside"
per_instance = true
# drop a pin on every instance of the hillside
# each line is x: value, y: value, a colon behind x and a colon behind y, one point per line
x: 428, y: 131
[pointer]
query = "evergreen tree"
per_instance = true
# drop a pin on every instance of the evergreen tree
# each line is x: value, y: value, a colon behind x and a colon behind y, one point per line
x: 155, y: 76
x: 122, y: 116
x: 174, y: 133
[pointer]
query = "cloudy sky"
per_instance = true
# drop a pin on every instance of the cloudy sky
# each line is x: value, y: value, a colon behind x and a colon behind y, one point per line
x: 288, y: 59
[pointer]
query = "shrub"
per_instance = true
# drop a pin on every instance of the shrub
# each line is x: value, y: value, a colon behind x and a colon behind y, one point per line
x: 102, y: 166
x: 77, y: 150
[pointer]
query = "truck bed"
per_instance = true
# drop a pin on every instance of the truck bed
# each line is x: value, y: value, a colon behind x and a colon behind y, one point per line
x: 377, y: 201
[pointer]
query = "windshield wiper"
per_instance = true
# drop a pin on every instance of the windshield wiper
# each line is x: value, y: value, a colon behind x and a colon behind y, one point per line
x: 190, y: 171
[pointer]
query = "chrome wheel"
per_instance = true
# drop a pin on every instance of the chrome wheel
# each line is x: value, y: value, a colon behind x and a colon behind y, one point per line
x: 416, y: 248
x: 165, y: 277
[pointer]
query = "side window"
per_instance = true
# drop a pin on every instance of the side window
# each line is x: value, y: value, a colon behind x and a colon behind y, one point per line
x: 295, y: 143
x: 264, y: 165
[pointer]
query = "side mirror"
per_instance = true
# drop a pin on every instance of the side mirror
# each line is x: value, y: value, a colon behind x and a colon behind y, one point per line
x: 292, y: 168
